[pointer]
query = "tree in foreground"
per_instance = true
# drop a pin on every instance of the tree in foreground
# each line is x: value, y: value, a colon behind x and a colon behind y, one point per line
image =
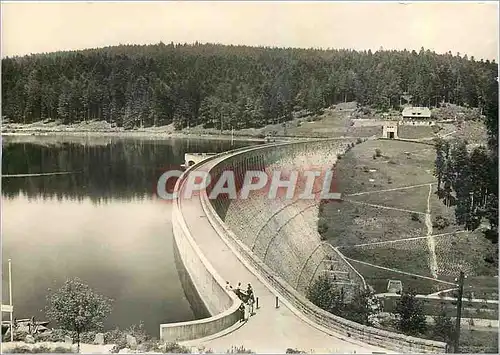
x: 77, y: 308
x: 325, y: 294
x: 443, y: 329
x: 411, y: 318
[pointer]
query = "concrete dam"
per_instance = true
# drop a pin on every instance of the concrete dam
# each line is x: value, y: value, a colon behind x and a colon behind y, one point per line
x: 273, y: 244
x: 282, y: 232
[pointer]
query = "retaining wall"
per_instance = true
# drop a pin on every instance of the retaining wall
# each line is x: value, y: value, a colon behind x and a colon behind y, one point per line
x: 218, y: 210
x: 222, y: 305
x: 282, y: 232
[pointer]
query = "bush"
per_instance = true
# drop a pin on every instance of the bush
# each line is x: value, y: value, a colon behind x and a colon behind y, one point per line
x: 322, y: 227
x: 61, y: 350
x: 339, y: 156
x: 440, y: 222
x: 19, y: 335
x: 46, y: 350
x: 54, y: 335
x: 436, y: 129
x: 325, y: 294
x: 374, y: 156
x: 415, y: 217
x: 378, y: 153
x: 117, y: 337
x: 139, y: 333
x: 174, y: 348
x: 392, y: 162
x: 39, y: 350
x: 151, y: 345
x: 294, y: 351
x: 443, y: 327
x: 88, y: 337
x: 20, y: 350
x: 359, y: 140
x: 113, y: 336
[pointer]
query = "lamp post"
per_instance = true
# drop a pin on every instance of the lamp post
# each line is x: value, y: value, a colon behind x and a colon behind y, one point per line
x: 459, y: 312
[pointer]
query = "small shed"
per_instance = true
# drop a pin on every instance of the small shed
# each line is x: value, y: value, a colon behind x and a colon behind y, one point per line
x: 416, y: 113
x: 394, y: 286
x: 194, y: 158
x: 390, y: 130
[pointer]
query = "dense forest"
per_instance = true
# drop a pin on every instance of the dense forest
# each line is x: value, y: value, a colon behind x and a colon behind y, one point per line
x: 229, y: 86
x: 468, y: 176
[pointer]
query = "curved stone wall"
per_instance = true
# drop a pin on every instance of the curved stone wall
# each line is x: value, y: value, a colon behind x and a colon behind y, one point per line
x: 266, y: 232
x: 280, y: 232
x: 220, y: 304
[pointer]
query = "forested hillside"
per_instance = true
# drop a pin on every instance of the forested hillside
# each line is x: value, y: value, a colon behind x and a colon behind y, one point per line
x: 228, y: 86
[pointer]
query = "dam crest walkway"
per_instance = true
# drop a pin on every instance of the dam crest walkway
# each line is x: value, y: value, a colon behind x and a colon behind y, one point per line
x: 271, y: 329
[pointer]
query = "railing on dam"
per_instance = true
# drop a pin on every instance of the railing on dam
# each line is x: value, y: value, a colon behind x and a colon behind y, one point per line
x: 316, y: 316
x: 269, y: 226
x: 222, y: 305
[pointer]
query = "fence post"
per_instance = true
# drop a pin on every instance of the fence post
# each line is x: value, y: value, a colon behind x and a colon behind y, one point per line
x: 277, y: 302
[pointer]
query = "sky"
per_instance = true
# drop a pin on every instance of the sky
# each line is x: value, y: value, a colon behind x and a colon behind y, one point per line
x: 464, y: 27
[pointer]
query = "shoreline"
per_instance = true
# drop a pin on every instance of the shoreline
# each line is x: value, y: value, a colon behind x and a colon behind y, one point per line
x: 126, y: 134
x: 152, y: 134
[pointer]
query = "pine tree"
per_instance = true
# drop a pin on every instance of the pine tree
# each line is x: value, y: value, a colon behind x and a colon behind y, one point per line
x: 440, y: 162
x: 411, y: 319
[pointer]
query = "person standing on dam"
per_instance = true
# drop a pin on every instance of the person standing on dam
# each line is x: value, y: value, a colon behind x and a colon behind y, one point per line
x: 242, y: 312
x: 251, y: 299
x: 238, y: 291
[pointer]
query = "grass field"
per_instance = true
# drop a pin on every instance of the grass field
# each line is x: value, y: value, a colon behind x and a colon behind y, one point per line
x: 474, y: 341
x: 416, y: 132
x: 351, y: 224
x: 378, y: 278
x: 369, y: 214
x: 395, y: 256
x: 400, y: 164
x: 468, y: 254
x: 471, y: 340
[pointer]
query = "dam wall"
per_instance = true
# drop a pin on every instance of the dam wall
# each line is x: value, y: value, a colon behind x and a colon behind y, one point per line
x: 213, y: 298
x: 279, y: 231
x: 278, y: 239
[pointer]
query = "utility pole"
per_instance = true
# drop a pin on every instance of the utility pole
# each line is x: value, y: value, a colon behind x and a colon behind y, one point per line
x: 459, y: 312
x: 10, y: 301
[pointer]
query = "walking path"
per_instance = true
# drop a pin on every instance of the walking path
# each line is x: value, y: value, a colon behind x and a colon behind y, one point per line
x: 270, y: 330
x: 447, y: 134
x: 383, y: 207
x: 388, y: 190
x: 401, y: 240
x: 431, y: 243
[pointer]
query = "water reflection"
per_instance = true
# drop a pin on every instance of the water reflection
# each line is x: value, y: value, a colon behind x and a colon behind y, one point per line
x: 120, y: 169
x: 99, y: 223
